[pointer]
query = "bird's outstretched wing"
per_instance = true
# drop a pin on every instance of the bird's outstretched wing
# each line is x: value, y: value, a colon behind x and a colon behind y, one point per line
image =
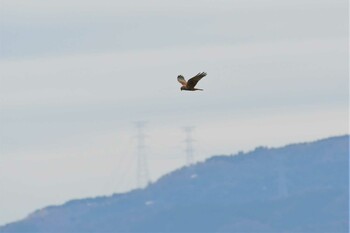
x: 191, y: 83
x: 181, y: 80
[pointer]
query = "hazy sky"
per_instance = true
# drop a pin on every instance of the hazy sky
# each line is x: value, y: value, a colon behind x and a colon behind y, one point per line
x: 76, y: 75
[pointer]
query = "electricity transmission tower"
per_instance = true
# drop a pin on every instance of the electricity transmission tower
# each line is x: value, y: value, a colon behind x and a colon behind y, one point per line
x: 189, y: 145
x: 282, y: 179
x: 142, y: 166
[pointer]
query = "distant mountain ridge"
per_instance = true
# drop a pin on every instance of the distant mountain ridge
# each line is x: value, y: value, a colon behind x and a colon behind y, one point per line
x: 296, y: 188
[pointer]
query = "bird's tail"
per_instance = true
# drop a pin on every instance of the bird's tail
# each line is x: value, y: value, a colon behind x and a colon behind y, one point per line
x: 197, y: 89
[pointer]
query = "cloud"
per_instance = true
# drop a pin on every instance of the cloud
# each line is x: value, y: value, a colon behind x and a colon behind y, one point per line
x: 46, y: 28
x: 282, y: 68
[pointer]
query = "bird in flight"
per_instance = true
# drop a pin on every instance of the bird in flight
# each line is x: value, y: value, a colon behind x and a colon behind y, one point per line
x: 191, y: 83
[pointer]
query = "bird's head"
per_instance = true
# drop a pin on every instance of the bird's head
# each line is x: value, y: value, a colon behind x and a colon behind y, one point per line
x: 182, y: 88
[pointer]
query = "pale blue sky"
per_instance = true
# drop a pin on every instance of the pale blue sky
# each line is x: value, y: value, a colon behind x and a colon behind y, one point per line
x: 75, y: 75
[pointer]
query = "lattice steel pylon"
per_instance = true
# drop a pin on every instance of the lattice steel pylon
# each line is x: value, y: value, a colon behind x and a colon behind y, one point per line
x: 189, y: 145
x: 142, y: 164
x: 282, y: 179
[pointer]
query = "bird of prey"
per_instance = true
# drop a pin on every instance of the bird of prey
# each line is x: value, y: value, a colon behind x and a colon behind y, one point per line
x: 191, y: 83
